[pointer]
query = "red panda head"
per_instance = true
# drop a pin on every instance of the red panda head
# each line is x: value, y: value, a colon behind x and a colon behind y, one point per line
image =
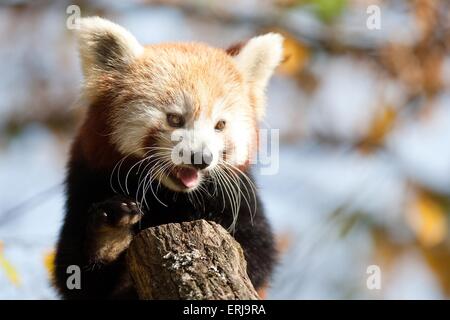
x: 187, y: 108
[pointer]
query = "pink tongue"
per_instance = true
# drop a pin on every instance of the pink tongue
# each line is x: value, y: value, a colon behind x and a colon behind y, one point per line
x: 188, y: 176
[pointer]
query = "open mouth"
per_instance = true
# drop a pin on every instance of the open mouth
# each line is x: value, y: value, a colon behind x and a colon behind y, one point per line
x: 185, y: 177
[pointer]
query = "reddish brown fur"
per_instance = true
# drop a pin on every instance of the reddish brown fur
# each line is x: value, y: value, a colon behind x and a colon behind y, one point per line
x: 92, y: 143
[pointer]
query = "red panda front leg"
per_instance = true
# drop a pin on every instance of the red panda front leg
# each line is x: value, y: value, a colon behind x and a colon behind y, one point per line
x: 110, y: 228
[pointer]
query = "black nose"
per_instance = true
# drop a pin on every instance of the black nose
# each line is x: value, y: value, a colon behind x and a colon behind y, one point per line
x: 201, y: 159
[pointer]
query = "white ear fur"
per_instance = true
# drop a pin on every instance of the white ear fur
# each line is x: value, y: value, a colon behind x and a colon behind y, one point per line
x: 257, y: 61
x: 105, y: 45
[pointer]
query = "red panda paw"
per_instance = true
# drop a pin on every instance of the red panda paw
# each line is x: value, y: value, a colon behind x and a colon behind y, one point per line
x: 116, y: 212
x: 110, y: 229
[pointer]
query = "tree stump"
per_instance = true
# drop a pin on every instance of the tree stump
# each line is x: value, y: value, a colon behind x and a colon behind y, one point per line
x: 189, y: 261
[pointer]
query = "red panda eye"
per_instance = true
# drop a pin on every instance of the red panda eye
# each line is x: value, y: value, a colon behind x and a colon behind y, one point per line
x: 175, y: 120
x: 220, y: 125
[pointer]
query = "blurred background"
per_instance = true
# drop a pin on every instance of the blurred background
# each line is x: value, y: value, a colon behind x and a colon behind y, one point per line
x: 364, y: 120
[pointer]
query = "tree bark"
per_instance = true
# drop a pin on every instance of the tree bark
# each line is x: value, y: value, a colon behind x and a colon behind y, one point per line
x: 190, y: 261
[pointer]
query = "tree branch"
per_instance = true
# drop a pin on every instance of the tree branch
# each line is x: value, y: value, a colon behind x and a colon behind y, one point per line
x: 189, y: 261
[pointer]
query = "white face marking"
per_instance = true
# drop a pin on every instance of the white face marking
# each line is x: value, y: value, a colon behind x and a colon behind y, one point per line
x: 198, y: 138
x: 132, y: 125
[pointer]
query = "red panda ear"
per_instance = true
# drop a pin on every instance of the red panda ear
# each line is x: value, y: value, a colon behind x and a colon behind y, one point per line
x: 105, y: 46
x: 257, y: 60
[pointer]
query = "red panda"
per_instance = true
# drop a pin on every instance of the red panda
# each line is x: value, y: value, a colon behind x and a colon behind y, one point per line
x: 168, y: 136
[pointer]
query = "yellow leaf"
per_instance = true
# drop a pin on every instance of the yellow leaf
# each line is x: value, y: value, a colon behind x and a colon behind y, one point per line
x: 49, y: 263
x: 380, y: 127
x: 296, y: 55
x: 10, y: 271
x: 438, y: 259
x: 428, y: 220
